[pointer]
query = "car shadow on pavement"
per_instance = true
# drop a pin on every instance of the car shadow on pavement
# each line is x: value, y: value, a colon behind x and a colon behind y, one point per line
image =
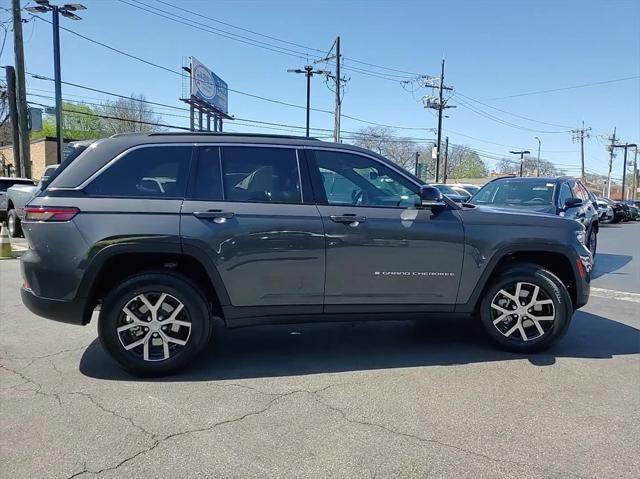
x: 273, y: 351
x: 607, y: 263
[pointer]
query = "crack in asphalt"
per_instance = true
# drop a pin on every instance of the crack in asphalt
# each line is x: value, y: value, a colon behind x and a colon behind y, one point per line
x: 15, y: 358
x: 351, y: 420
x: 158, y: 441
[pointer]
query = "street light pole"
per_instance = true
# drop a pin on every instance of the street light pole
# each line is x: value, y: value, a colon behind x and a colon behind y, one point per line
x: 43, y: 6
x: 521, y: 153
x: 539, y: 145
x: 308, y: 71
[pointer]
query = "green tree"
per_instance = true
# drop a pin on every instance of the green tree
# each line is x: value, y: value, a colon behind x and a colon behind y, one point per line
x: 79, y: 122
x: 463, y: 162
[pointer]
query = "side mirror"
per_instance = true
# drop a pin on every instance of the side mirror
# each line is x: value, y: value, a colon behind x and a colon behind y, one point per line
x: 430, y: 196
x: 572, y: 203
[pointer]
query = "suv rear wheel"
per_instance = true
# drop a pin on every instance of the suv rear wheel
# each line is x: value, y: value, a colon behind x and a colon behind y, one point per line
x: 527, y: 310
x: 154, y: 324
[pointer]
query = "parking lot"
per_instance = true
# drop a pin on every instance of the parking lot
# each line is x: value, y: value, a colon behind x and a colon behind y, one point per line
x: 430, y: 399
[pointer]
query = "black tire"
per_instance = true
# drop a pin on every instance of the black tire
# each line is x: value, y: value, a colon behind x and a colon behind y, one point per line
x: 13, y: 224
x: 592, y: 241
x: 552, y: 288
x: 194, y: 309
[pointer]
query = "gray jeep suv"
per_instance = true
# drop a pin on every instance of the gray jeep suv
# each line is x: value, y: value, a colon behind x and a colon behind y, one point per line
x: 168, y: 233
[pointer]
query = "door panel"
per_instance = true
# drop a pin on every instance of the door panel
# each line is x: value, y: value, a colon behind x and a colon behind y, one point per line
x: 394, y: 256
x: 267, y: 246
x: 381, y: 249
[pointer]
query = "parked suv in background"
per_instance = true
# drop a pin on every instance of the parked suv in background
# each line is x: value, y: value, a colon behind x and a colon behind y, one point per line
x: 560, y: 196
x: 170, y: 233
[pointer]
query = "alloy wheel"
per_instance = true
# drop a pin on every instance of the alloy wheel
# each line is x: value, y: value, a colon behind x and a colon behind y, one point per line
x: 154, y: 326
x: 522, y: 311
x: 11, y: 225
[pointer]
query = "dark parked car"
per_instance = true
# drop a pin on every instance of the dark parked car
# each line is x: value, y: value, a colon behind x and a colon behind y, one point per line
x: 620, y: 210
x: 633, y: 210
x: 449, y: 192
x: 560, y: 196
x: 171, y: 233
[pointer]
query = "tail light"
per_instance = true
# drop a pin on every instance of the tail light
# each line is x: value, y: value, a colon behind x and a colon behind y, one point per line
x: 49, y: 213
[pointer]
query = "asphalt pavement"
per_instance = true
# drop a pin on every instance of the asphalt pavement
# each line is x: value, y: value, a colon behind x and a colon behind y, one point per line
x: 385, y: 399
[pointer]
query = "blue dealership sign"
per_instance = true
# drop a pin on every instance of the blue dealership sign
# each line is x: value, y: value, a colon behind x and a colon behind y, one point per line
x: 208, y: 87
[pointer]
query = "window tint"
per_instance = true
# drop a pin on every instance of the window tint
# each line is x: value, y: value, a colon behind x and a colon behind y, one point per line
x: 208, y: 178
x: 148, y: 172
x: 5, y: 184
x: 266, y: 175
x: 565, y: 193
x: 357, y: 180
x: 525, y: 193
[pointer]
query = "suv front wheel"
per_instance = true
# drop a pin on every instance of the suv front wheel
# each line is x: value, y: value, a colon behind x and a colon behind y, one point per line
x: 527, y: 309
x: 154, y: 324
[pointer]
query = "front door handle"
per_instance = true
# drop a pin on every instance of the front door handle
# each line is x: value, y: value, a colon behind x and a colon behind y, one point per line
x: 353, y: 220
x: 218, y: 216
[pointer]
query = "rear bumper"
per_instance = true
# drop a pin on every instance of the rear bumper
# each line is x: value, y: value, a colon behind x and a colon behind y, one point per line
x: 71, y: 312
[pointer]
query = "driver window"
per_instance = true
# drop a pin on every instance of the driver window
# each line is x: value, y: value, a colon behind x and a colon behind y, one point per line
x: 357, y: 180
x: 565, y: 193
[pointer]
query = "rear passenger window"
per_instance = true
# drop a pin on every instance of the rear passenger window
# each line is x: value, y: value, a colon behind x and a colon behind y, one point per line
x: 260, y: 174
x: 148, y: 172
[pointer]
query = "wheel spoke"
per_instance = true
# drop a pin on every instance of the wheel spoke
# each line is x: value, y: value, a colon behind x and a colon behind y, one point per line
x: 145, y: 351
x: 500, y: 318
x: 542, y: 302
x: 165, y: 348
x: 146, y: 302
x: 543, y: 318
x: 180, y: 323
x: 175, y: 340
x: 174, y: 313
x: 511, y: 331
x: 126, y: 327
x: 132, y: 315
x: 537, y: 324
x: 138, y: 342
x: 518, y: 291
x: 508, y: 295
x: 534, y: 296
x: 522, y: 333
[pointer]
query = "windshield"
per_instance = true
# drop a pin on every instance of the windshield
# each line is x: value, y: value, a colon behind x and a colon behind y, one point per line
x: 446, y: 190
x: 516, y: 193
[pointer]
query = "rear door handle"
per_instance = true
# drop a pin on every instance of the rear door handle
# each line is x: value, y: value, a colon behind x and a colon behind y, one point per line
x: 353, y: 220
x: 218, y: 216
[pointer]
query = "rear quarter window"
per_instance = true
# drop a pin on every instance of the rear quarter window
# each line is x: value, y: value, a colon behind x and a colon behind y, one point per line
x: 146, y: 172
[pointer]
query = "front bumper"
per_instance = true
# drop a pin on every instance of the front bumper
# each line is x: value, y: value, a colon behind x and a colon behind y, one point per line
x: 71, y: 312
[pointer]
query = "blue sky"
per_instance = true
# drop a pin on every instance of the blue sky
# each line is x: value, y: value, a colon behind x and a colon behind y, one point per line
x: 492, y: 48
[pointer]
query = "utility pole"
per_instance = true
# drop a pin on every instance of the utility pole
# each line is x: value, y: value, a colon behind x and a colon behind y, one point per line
x: 43, y: 6
x: 417, y: 173
x: 611, y: 148
x: 446, y: 160
x: 338, y: 81
x: 308, y: 72
x: 336, y: 125
x: 579, y: 134
x: 521, y: 153
x: 13, y: 116
x: 626, y: 146
x: 539, y: 145
x: 440, y: 105
x: 634, y: 182
x: 21, y: 94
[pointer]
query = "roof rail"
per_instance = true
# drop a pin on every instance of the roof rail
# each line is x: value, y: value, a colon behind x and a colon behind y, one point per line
x: 219, y: 133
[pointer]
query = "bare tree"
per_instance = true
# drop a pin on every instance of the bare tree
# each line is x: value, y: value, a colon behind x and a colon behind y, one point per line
x: 383, y: 141
x: 529, y: 167
x: 129, y: 115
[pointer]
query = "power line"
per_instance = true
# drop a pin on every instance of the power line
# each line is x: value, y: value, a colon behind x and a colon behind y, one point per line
x: 198, y: 14
x: 457, y: 93
x: 489, y: 116
x: 540, y: 92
